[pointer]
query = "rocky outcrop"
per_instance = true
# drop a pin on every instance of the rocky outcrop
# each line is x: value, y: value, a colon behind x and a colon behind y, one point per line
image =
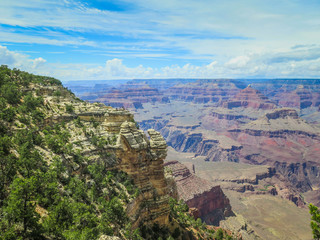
x: 230, y: 117
x: 301, y: 175
x: 302, y: 97
x: 282, y: 113
x: 126, y: 148
x: 143, y: 160
x: 251, y: 98
x: 209, y: 200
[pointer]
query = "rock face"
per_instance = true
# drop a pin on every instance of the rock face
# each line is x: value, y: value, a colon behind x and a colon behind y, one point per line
x: 209, y: 201
x: 127, y: 148
x: 251, y: 98
x: 220, y: 119
x: 143, y: 160
x: 278, y: 136
x: 282, y: 113
x: 215, y: 148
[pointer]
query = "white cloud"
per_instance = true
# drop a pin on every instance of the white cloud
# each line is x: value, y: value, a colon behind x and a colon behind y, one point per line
x: 220, y: 29
x: 115, y: 67
x: 249, y: 66
x: 238, y: 62
x: 21, y: 61
x: 38, y: 62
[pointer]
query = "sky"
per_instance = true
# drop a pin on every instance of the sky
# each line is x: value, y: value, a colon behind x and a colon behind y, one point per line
x: 103, y: 39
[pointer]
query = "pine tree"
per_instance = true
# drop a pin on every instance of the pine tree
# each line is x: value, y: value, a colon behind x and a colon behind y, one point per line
x: 20, y: 207
x: 315, y: 221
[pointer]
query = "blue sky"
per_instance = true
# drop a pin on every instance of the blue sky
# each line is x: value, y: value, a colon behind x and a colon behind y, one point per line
x: 101, y: 39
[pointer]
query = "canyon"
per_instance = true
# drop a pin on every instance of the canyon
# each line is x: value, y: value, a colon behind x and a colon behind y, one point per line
x: 265, y: 131
x: 93, y: 165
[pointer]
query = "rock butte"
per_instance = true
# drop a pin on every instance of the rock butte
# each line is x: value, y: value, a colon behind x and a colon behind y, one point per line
x: 208, y: 201
x: 249, y: 97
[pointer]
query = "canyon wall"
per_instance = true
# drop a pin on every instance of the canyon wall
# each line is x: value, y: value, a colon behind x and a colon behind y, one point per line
x: 206, y: 200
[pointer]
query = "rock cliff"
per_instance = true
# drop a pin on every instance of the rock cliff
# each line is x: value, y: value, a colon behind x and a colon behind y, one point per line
x: 207, y: 200
x: 143, y: 160
x: 128, y: 149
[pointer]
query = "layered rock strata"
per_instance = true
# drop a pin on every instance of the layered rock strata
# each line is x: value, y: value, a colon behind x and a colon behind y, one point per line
x: 296, y: 93
x: 209, y: 201
x: 205, y: 91
x: 249, y: 97
x: 132, y: 96
x: 283, y: 140
x: 143, y: 160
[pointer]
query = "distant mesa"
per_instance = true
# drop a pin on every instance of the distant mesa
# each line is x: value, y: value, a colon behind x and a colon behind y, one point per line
x: 301, y: 98
x: 205, y: 91
x: 282, y: 119
x: 132, y: 95
x: 294, y: 93
x: 250, y: 97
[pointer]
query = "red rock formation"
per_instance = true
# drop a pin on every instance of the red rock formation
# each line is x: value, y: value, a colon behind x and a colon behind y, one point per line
x: 300, y: 98
x: 132, y: 96
x: 296, y: 93
x: 209, y: 200
x: 283, y: 140
x: 278, y: 136
x: 250, y: 97
x: 204, y: 91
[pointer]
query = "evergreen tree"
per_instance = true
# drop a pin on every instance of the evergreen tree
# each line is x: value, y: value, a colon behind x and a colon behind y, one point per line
x: 20, y: 207
x: 315, y: 221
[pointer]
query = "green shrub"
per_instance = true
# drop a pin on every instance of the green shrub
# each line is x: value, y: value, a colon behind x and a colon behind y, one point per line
x: 69, y: 108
